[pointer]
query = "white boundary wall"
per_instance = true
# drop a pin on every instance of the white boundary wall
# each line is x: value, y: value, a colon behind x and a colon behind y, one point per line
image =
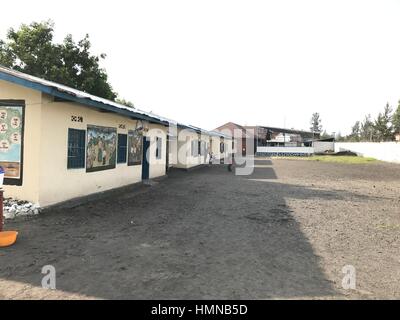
x: 304, y: 150
x: 323, y: 146
x: 385, y: 151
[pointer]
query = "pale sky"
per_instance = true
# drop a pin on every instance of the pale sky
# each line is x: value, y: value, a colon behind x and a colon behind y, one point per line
x: 252, y: 62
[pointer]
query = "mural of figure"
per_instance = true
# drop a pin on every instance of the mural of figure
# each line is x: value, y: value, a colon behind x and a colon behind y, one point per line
x: 104, y: 156
x: 101, y: 149
x: 135, y: 147
x: 11, y: 123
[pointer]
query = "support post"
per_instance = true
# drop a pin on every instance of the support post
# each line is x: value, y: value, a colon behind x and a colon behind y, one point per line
x: 1, y: 209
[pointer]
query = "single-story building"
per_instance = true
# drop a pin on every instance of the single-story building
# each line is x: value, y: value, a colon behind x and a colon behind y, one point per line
x: 58, y: 143
x: 267, y: 141
x: 243, y: 139
x: 194, y: 147
x: 221, y: 146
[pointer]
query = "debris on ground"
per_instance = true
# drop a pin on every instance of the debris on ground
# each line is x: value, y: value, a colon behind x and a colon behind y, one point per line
x: 13, y: 208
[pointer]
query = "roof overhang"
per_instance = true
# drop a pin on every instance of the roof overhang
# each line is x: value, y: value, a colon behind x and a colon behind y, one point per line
x: 71, y: 96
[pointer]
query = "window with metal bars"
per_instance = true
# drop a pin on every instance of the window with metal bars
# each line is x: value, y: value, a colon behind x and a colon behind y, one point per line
x: 122, y: 148
x: 76, y: 148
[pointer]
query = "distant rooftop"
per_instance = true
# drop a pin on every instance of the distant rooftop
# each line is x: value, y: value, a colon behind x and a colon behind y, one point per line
x: 249, y: 129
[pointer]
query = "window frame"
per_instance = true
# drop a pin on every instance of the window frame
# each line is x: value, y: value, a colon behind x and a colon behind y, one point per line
x: 82, y: 162
x: 119, y: 147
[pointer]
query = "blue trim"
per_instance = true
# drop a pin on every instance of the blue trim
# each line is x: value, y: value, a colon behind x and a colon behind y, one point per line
x: 283, y: 154
x: 54, y: 92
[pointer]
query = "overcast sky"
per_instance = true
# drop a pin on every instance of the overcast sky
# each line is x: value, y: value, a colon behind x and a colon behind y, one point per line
x: 253, y: 62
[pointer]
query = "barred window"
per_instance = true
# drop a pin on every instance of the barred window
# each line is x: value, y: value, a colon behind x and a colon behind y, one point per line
x: 76, y: 148
x: 122, y: 148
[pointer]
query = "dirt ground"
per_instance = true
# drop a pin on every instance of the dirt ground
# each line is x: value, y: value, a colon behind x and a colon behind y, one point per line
x: 284, y: 232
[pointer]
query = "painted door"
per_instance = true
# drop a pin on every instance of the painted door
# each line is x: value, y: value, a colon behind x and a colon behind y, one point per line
x: 146, y: 155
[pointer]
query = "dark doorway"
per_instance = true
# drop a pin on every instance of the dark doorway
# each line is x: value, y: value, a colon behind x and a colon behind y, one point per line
x: 167, y: 156
x: 244, y: 147
x: 146, y: 155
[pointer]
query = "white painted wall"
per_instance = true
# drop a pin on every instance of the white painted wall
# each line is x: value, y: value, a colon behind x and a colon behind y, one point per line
x: 385, y: 151
x: 305, y: 150
x: 322, y: 146
x: 173, y: 151
x: 185, y: 159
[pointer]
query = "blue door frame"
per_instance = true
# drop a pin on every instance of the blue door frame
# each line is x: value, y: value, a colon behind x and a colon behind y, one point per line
x: 145, y: 162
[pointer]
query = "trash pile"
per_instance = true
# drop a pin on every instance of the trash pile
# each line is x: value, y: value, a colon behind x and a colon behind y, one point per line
x: 13, y: 208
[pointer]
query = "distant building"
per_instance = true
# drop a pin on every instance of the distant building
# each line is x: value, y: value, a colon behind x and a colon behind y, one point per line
x: 397, y: 137
x: 281, y: 137
x: 254, y: 139
x: 242, y: 138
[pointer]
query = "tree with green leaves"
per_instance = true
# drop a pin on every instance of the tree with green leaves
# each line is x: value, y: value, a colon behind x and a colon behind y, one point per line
x: 125, y: 102
x: 383, y: 126
x: 355, y: 132
x: 396, y: 120
x: 31, y: 49
x: 339, y: 137
x: 315, y: 122
x: 325, y: 135
x: 367, y: 129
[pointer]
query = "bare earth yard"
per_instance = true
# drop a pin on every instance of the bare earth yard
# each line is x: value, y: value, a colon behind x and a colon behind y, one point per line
x: 286, y: 232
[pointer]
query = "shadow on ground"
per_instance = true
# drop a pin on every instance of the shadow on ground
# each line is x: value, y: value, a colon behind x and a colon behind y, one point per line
x: 203, y: 234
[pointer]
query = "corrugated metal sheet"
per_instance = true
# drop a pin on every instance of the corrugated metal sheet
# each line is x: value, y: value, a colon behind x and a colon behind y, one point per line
x: 84, y: 98
x: 65, y: 89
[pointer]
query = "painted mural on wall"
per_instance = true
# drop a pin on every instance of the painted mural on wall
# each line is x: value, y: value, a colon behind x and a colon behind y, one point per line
x: 101, y: 148
x: 135, y: 141
x: 11, y: 124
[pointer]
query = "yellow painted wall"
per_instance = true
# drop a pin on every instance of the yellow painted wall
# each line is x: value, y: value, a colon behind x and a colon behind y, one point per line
x: 57, y: 183
x: 184, y: 143
x: 46, y: 179
x: 31, y: 152
x: 215, y: 146
x: 228, y: 148
x: 185, y: 158
x: 205, y: 159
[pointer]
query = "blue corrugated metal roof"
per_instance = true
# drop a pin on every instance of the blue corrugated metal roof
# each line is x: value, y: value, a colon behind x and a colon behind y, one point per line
x: 71, y: 94
x: 67, y: 93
